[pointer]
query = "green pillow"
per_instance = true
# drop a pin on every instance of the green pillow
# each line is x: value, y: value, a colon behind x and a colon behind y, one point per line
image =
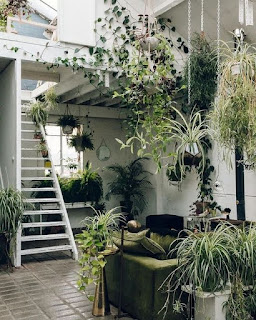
x: 163, y: 241
x: 138, y: 243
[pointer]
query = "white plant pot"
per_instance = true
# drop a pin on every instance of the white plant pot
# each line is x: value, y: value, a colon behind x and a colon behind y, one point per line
x: 235, y: 69
x: 149, y: 43
x: 67, y: 130
x: 209, y: 306
x: 192, y: 149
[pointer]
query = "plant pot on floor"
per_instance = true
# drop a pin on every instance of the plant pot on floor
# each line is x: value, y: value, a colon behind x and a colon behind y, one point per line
x: 126, y: 208
x: 209, y: 305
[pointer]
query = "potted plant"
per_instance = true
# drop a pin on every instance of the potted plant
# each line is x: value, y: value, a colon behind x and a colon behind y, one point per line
x: 130, y: 182
x: 81, y: 142
x: 234, y: 114
x: 94, y: 242
x: 68, y: 122
x: 38, y: 113
x: 173, y: 174
x: 50, y: 99
x: 42, y: 147
x: 12, y: 207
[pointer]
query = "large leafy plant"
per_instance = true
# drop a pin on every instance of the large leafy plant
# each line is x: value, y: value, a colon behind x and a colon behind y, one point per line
x: 38, y: 113
x: 130, y: 182
x: 94, y: 242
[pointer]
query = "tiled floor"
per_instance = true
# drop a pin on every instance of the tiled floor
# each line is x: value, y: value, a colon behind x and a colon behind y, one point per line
x: 45, y: 288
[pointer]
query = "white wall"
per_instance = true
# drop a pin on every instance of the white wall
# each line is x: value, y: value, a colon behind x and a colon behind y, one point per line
x: 10, y: 80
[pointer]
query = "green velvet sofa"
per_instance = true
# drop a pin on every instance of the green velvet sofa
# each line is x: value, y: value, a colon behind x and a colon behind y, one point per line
x: 142, y: 277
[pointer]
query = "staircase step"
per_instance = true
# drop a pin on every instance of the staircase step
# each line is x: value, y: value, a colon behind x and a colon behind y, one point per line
x: 40, y: 200
x: 37, y: 178
x: 27, y: 122
x: 39, y: 212
x: 45, y: 250
x: 43, y: 224
x: 31, y: 140
x: 37, y: 189
x: 28, y: 131
x: 30, y: 149
x: 45, y: 237
x: 35, y: 159
x: 34, y: 168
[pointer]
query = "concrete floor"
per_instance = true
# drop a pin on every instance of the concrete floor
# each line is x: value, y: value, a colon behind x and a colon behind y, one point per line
x: 45, y: 288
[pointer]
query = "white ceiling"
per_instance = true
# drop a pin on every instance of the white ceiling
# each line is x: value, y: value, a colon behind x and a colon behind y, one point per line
x: 229, y: 19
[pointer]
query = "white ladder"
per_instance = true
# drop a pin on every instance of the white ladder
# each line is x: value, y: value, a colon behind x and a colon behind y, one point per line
x: 46, y: 227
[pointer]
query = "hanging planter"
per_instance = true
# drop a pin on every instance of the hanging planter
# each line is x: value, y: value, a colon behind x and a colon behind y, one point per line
x: 68, y: 122
x: 150, y: 84
x: 149, y: 43
x: 81, y: 142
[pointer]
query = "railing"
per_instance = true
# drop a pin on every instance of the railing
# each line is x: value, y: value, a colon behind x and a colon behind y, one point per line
x: 63, y: 207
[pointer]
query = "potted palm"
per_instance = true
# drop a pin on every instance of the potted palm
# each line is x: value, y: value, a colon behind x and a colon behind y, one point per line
x: 130, y: 182
x: 81, y: 142
x: 12, y: 207
x: 68, y: 122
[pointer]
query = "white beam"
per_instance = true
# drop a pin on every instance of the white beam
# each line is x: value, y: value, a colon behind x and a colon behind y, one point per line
x: 42, y: 89
x: 45, y: 76
x: 26, y: 95
x: 70, y: 83
x: 165, y: 6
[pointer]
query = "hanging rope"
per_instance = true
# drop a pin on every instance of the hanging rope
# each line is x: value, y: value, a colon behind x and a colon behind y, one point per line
x: 202, y: 16
x: 218, y: 46
x: 189, y: 52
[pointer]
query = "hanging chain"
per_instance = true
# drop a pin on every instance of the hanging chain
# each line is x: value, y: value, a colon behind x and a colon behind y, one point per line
x: 218, y: 47
x: 189, y: 52
x: 202, y: 16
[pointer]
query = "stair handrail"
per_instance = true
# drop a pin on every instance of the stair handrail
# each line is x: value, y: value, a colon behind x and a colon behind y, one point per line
x: 59, y: 192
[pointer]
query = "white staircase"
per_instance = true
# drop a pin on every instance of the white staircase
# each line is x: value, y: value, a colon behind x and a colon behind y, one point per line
x: 46, y: 227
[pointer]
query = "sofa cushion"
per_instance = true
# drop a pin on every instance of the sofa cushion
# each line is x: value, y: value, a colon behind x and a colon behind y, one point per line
x: 164, y: 241
x: 138, y: 243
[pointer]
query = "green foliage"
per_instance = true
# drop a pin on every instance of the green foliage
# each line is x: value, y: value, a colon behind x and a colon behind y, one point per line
x: 38, y: 113
x: 51, y: 99
x: 203, y: 58
x: 213, y: 261
x: 234, y: 115
x: 130, y: 182
x: 12, y: 8
x: 85, y: 186
x: 81, y: 141
x: 12, y: 207
x: 93, y: 242
x: 68, y: 120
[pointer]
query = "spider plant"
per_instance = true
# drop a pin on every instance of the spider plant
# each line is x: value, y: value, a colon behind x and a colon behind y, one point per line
x: 51, y: 99
x: 38, y: 113
x: 12, y: 207
x: 93, y: 242
x: 188, y: 136
x: 234, y: 114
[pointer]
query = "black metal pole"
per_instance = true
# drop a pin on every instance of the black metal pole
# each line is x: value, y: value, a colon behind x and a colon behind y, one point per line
x: 240, y: 197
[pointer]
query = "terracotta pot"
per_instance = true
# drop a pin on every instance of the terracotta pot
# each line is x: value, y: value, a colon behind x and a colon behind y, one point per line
x: 38, y: 135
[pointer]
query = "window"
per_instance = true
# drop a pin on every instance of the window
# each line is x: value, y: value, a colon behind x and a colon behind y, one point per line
x: 65, y: 158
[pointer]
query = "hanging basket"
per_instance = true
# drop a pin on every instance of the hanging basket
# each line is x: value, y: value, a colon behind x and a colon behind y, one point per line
x: 149, y: 43
x: 67, y: 130
x: 150, y: 85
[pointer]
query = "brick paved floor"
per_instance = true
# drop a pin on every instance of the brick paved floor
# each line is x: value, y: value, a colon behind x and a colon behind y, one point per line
x: 45, y: 288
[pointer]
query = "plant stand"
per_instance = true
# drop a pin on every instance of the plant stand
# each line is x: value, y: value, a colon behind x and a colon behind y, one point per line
x: 101, y: 305
x: 209, y: 306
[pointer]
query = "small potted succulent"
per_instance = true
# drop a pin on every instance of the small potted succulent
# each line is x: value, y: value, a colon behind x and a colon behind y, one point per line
x: 81, y: 142
x: 68, y: 122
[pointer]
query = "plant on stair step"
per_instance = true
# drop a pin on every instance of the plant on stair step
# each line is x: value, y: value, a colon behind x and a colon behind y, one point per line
x: 68, y: 122
x: 38, y: 113
x: 81, y: 142
x: 95, y: 243
x: 42, y: 147
x: 12, y: 207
